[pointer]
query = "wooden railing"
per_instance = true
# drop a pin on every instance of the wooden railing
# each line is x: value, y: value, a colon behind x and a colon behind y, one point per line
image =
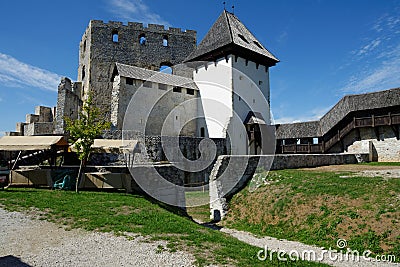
x: 373, y: 121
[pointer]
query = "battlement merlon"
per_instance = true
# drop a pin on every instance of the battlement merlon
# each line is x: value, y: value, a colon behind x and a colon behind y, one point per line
x: 116, y: 25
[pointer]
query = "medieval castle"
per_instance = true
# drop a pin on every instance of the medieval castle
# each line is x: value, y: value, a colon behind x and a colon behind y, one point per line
x: 218, y: 89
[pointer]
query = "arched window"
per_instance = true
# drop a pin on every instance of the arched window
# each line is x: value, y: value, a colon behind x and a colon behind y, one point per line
x: 166, y: 67
x: 115, y: 36
x: 165, y: 41
x: 142, y: 39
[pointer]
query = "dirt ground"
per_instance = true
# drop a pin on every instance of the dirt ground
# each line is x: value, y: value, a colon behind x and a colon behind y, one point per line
x: 352, y: 168
x: 361, y: 170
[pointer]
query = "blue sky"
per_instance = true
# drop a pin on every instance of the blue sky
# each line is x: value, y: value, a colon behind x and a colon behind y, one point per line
x: 327, y: 48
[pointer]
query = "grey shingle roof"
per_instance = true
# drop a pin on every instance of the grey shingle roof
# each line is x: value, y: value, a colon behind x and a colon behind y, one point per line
x: 350, y: 103
x: 228, y: 35
x: 154, y: 76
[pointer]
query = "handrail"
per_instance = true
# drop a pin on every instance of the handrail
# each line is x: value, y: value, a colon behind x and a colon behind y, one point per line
x: 360, y: 122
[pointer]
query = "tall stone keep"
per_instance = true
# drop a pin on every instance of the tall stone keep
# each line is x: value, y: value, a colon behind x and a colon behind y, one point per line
x: 104, y: 44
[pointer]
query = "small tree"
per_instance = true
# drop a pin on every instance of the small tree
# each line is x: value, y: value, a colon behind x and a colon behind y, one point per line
x: 83, y: 131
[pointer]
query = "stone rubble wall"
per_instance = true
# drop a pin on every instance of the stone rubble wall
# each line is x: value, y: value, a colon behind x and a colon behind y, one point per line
x: 98, y: 53
x: 384, y: 149
x: 231, y: 173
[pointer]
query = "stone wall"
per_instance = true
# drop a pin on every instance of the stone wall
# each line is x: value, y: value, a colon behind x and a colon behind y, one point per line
x: 386, y: 148
x: 231, y: 173
x: 99, y: 51
x: 68, y: 103
x: 39, y: 128
x: 170, y: 112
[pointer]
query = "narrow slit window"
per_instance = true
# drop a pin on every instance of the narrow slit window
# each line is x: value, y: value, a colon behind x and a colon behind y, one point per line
x: 83, y: 72
x: 243, y: 38
x: 115, y: 36
x: 258, y: 45
x: 202, y: 132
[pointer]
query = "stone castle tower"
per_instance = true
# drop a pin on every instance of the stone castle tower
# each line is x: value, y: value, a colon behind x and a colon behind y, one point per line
x: 236, y: 62
x: 150, y: 47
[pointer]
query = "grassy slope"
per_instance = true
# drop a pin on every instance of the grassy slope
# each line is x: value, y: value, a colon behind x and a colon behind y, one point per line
x: 121, y: 213
x: 318, y: 208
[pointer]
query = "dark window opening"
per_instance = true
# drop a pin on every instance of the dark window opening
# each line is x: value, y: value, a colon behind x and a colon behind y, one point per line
x: 177, y: 89
x: 260, y: 82
x: 142, y: 39
x: 243, y: 39
x: 202, y: 132
x: 129, y: 81
x: 162, y: 86
x: 83, y: 72
x: 84, y: 46
x: 165, y: 40
x: 190, y: 91
x: 115, y: 36
x: 258, y: 44
x: 148, y: 84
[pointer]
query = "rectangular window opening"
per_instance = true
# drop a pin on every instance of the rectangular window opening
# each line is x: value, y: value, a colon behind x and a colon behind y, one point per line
x: 177, y: 89
x: 148, y: 84
x: 129, y: 81
x: 190, y: 91
x: 162, y: 86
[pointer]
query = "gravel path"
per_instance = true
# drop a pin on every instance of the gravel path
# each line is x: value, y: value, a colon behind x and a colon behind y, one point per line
x: 292, y: 247
x: 28, y: 242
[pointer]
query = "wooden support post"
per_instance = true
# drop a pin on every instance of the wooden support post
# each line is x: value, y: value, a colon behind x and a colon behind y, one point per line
x: 373, y: 120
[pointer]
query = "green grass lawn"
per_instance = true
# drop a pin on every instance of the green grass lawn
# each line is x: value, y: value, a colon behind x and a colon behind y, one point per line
x: 120, y: 213
x: 318, y: 208
x: 381, y: 163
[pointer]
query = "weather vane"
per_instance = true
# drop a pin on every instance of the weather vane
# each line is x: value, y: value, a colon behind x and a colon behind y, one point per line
x: 224, y: 5
x: 233, y: 9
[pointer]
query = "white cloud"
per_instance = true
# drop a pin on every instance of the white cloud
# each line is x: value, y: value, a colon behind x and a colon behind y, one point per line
x: 376, y: 64
x: 135, y: 10
x: 384, y: 75
x: 369, y: 47
x: 14, y: 73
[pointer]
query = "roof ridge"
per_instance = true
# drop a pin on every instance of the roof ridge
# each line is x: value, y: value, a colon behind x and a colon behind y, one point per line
x: 229, y: 25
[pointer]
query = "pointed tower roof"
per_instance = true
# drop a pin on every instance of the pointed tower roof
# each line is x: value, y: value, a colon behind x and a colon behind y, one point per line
x: 228, y: 35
